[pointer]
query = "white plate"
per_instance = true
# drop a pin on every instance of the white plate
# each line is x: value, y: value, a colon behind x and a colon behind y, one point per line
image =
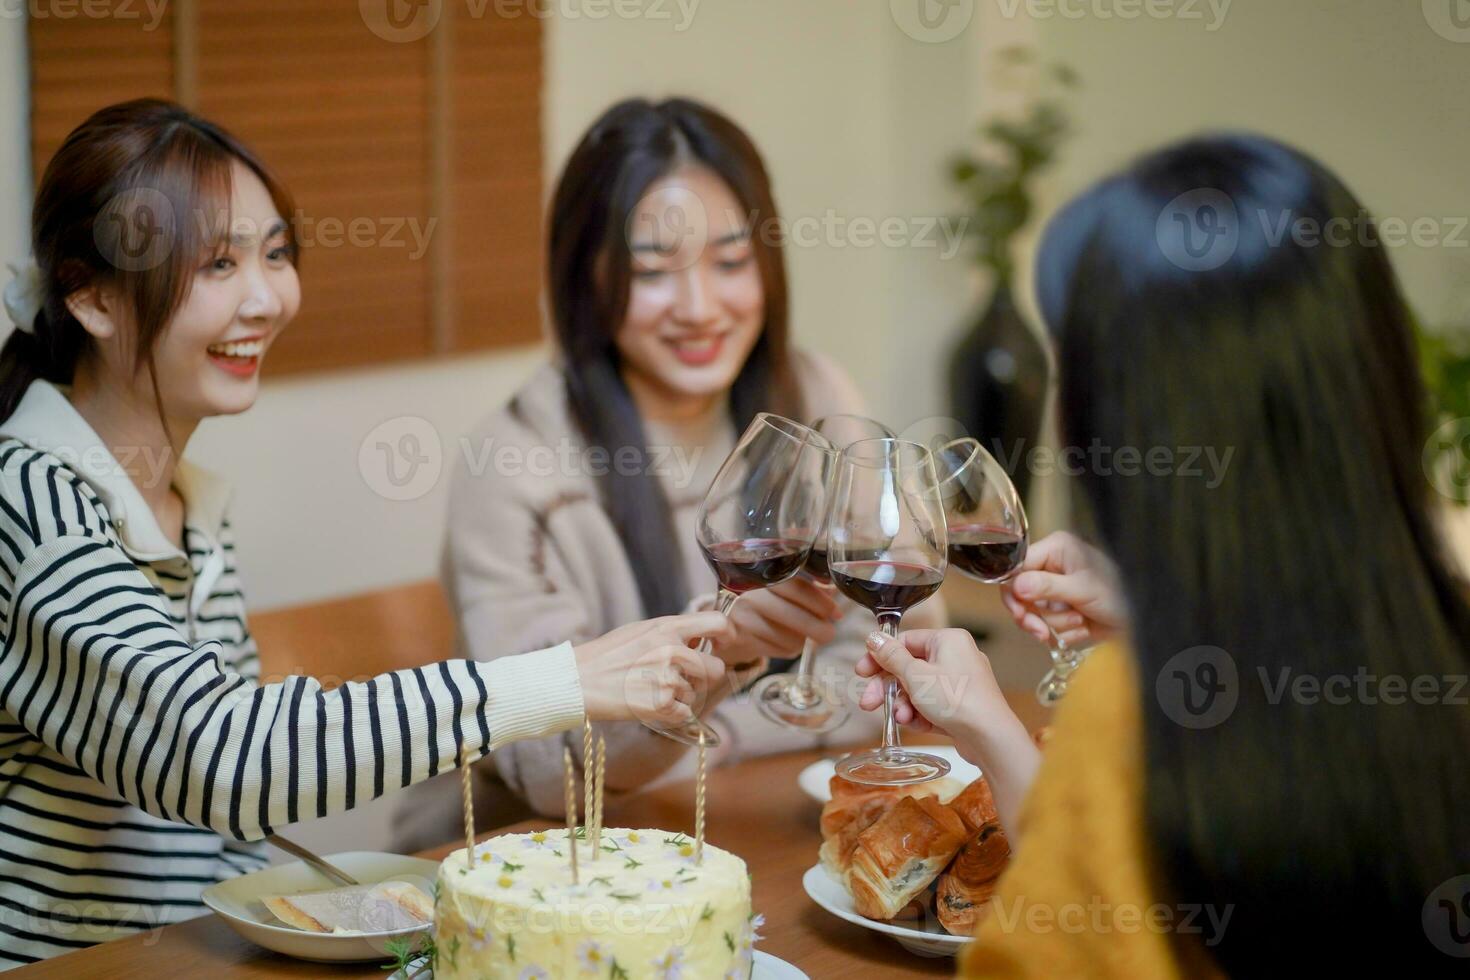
x: 767, y: 967
x: 930, y: 940
x: 814, y: 778
x: 237, y: 901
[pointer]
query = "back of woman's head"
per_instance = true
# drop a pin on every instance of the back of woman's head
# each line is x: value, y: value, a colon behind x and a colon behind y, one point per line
x: 630, y: 147
x: 129, y: 203
x: 1237, y: 367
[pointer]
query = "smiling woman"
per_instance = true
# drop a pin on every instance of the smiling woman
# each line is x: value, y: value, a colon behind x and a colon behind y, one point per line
x: 671, y: 316
x: 140, y: 757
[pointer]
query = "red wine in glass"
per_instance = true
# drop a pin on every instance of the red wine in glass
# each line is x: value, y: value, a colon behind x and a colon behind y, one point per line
x: 886, y: 586
x: 989, y: 553
x: 816, y: 567
x: 755, y: 563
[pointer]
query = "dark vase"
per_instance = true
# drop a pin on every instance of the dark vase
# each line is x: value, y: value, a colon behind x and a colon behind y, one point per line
x: 998, y: 381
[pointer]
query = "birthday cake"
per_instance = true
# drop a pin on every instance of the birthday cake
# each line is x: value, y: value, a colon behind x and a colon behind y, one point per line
x: 648, y: 905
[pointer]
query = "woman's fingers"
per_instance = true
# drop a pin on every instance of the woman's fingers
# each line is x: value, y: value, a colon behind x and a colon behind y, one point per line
x: 696, y: 626
x: 816, y: 600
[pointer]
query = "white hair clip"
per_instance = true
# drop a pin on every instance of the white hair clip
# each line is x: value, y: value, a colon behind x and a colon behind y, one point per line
x: 25, y: 294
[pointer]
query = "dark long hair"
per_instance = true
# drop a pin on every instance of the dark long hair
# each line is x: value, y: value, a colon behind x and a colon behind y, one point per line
x: 1185, y: 318
x: 130, y: 201
x: 632, y: 145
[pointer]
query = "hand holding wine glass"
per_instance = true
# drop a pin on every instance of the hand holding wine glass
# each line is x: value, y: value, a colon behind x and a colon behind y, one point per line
x: 887, y: 545
x: 758, y: 521
x: 949, y: 686
x: 1068, y: 586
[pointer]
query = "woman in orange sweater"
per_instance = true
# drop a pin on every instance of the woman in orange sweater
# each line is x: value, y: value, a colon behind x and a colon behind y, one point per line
x: 1267, y: 770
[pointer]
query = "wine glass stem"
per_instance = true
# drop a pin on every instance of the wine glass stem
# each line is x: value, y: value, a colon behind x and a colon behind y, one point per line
x: 801, y: 691
x: 800, y: 695
x: 724, y: 601
x: 888, y: 624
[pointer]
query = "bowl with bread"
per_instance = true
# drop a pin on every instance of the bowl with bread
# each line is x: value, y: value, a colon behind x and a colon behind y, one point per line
x: 291, y: 908
x: 919, y: 863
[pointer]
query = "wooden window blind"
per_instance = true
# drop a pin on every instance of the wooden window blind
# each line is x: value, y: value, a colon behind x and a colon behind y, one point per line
x: 415, y: 162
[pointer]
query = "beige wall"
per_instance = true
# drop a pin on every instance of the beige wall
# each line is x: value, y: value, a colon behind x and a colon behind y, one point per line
x: 14, y: 140
x: 856, y: 119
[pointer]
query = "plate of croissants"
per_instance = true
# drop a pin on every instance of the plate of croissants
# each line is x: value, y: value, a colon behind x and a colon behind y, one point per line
x: 918, y: 863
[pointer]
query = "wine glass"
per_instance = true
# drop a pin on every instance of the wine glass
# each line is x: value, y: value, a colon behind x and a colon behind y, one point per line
x: 988, y: 536
x: 759, y: 519
x: 794, y: 700
x: 886, y: 548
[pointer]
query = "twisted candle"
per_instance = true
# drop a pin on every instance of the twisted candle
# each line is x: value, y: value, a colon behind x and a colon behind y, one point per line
x: 571, y: 802
x: 699, y: 804
x: 587, y: 799
x: 598, y: 785
x: 469, y: 808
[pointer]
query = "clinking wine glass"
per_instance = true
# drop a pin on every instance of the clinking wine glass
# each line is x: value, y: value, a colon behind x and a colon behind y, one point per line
x: 794, y: 699
x: 887, y: 547
x: 759, y: 519
x: 988, y: 536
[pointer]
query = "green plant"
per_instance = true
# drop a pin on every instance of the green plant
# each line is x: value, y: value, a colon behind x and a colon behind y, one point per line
x: 1444, y: 359
x: 996, y: 180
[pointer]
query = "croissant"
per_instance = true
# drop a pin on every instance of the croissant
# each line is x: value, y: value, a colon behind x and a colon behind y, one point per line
x: 898, y: 856
x: 843, y: 821
x: 976, y: 806
x: 854, y: 807
x: 965, y: 888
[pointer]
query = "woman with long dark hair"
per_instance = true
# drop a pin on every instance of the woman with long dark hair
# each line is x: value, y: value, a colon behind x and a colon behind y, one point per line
x: 140, y: 757
x: 1274, y: 754
x: 668, y: 299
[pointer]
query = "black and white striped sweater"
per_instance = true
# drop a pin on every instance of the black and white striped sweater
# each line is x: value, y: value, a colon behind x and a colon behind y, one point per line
x: 139, y: 757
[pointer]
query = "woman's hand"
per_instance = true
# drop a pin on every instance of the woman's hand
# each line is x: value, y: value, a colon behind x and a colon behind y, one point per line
x: 646, y: 671
x: 775, y: 622
x: 947, y: 685
x: 1067, y: 583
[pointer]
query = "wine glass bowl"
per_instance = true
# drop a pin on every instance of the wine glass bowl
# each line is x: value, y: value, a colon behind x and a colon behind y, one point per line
x: 982, y: 510
x: 887, y: 551
x: 759, y: 519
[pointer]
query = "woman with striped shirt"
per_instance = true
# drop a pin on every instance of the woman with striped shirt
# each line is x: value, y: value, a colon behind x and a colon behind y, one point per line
x: 140, y: 759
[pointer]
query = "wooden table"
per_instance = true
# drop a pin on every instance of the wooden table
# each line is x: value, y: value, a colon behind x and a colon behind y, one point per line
x: 756, y: 810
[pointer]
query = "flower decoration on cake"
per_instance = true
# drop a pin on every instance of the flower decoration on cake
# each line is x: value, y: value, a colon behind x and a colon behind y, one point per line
x: 592, y: 956
x: 540, y: 840
x: 670, y: 966
x: 665, y: 886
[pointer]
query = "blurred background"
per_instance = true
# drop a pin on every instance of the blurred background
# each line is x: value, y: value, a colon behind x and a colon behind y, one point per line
x: 422, y: 139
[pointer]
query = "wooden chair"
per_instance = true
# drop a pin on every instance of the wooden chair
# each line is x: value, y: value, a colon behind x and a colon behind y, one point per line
x: 358, y: 637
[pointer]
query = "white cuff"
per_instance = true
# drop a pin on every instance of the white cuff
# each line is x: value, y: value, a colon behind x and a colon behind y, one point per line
x: 532, y: 695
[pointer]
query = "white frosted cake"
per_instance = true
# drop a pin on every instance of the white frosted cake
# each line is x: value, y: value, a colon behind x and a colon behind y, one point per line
x: 643, y: 909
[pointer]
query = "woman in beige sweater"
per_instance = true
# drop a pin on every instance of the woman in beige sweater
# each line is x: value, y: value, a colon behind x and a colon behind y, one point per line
x: 576, y: 508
